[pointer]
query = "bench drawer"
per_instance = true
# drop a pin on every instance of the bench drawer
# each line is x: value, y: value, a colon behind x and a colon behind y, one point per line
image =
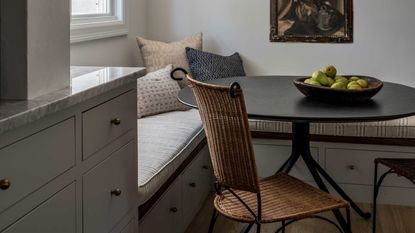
x: 351, y: 166
x: 270, y: 157
x: 108, y: 121
x: 166, y: 214
x: 32, y: 162
x: 196, y: 185
x: 57, y: 214
x: 110, y: 190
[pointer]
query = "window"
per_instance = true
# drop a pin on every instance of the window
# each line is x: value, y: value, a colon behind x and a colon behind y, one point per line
x: 96, y: 19
x: 81, y: 8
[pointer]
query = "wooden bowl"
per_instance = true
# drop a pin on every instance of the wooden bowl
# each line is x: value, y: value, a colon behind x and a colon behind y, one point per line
x: 328, y: 94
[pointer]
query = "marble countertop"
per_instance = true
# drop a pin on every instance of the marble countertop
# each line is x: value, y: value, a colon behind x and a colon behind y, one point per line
x: 86, y: 82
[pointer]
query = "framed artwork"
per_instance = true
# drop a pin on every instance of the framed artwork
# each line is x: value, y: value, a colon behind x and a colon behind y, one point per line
x: 320, y: 21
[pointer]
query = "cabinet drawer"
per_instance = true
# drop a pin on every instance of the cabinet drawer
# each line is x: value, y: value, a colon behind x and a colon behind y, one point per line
x: 34, y: 161
x: 100, y: 125
x: 270, y: 157
x: 131, y: 227
x: 357, y: 166
x: 58, y: 214
x: 103, y: 207
x: 196, y: 185
x: 165, y: 216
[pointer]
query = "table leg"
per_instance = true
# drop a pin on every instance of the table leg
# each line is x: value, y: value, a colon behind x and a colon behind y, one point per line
x: 339, y: 190
x: 301, y: 147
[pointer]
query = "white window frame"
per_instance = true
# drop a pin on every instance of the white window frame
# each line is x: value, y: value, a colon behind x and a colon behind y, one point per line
x: 92, y: 27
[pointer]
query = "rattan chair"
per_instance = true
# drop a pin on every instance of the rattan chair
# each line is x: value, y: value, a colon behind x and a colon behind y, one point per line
x: 240, y: 195
x: 401, y: 167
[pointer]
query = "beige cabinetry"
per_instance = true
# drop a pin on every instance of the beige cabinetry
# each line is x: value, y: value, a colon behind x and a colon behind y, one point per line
x: 350, y: 165
x: 73, y: 171
x: 175, y: 210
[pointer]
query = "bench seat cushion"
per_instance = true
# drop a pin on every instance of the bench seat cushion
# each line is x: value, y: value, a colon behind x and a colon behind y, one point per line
x: 164, y: 142
x: 399, y: 128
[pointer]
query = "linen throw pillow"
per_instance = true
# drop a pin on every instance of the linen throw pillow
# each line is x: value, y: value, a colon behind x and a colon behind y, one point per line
x: 207, y: 66
x: 157, y: 54
x: 157, y: 93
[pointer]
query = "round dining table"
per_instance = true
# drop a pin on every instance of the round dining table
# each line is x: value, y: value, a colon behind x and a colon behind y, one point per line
x: 276, y: 98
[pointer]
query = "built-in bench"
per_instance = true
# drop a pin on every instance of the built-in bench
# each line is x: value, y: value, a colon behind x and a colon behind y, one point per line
x: 395, y: 132
x: 174, y: 171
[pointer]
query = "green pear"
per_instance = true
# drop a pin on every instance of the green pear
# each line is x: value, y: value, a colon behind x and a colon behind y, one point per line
x: 341, y: 79
x: 338, y: 85
x: 354, y: 87
x: 307, y: 81
x: 354, y: 78
x: 324, y: 81
x: 314, y: 82
x: 318, y: 75
x: 331, y: 81
x: 352, y: 83
x: 330, y: 71
x: 363, y: 83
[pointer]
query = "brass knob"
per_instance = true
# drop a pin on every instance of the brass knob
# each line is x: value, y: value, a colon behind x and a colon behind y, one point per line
x: 351, y: 167
x: 116, y: 192
x: 174, y: 210
x: 116, y: 121
x: 205, y: 167
x: 4, y: 184
x: 193, y: 185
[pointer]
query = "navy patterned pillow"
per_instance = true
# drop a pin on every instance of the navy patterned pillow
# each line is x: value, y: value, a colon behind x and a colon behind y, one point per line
x: 207, y: 66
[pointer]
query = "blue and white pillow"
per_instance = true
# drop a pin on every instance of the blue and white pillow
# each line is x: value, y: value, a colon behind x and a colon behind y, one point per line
x: 207, y: 66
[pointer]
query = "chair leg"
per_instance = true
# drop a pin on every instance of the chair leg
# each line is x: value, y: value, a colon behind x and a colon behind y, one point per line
x: 376, y: 188
x: 375, y: 195
x: 213, y: 220
x: 349, y: 221
x: 258, y: 228
x: 283, y: 227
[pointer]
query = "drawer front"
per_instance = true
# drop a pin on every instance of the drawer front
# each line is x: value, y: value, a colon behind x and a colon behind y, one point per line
x: 166, y: 215
x: 196, y: 185
x: 357, y: 166
x: 269, y: 158
x: 131, y: 227
x: 58, y: 214
x: 103, y: 205
x: 32, y: 162
x: 108, y: 121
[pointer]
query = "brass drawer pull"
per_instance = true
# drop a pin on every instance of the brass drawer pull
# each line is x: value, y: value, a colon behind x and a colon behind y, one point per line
x: 174, y: 210
x: 116, y: 121
x: 193, y: 185
x: 116, y: 192
x: 4, y: 184
x: 351, y: 167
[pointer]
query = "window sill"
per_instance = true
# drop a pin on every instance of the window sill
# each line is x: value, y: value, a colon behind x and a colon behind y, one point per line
x: 88, y: 32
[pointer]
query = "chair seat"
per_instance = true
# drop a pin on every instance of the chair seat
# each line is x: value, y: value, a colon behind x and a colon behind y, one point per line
x: 402, y: 167
x: 283, y: 197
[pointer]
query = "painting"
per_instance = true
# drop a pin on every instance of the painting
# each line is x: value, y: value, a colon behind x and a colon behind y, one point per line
x: 320, y: 21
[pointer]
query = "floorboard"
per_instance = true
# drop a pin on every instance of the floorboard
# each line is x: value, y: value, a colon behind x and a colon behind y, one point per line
x: 391, y: 219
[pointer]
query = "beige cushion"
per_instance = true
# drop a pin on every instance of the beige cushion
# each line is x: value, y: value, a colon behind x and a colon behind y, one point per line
x: 164, y: 142
x: 157, y: 54
x: 399, y: 128
x: 157, y: 93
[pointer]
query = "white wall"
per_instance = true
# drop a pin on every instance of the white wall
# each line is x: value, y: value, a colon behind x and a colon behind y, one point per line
x: 115, y: 51
x: 383, y: 45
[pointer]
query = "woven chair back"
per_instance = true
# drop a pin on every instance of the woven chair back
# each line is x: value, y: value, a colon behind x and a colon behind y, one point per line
x: 225, y: 121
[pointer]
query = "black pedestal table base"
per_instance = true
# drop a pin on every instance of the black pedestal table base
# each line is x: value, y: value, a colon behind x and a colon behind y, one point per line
x: 301, y: 148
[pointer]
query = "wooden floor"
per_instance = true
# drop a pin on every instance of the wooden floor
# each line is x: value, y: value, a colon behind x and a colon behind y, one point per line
x: 391, y: 219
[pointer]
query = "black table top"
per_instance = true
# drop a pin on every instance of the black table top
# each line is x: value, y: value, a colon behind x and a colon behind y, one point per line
x: 276, y: 98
